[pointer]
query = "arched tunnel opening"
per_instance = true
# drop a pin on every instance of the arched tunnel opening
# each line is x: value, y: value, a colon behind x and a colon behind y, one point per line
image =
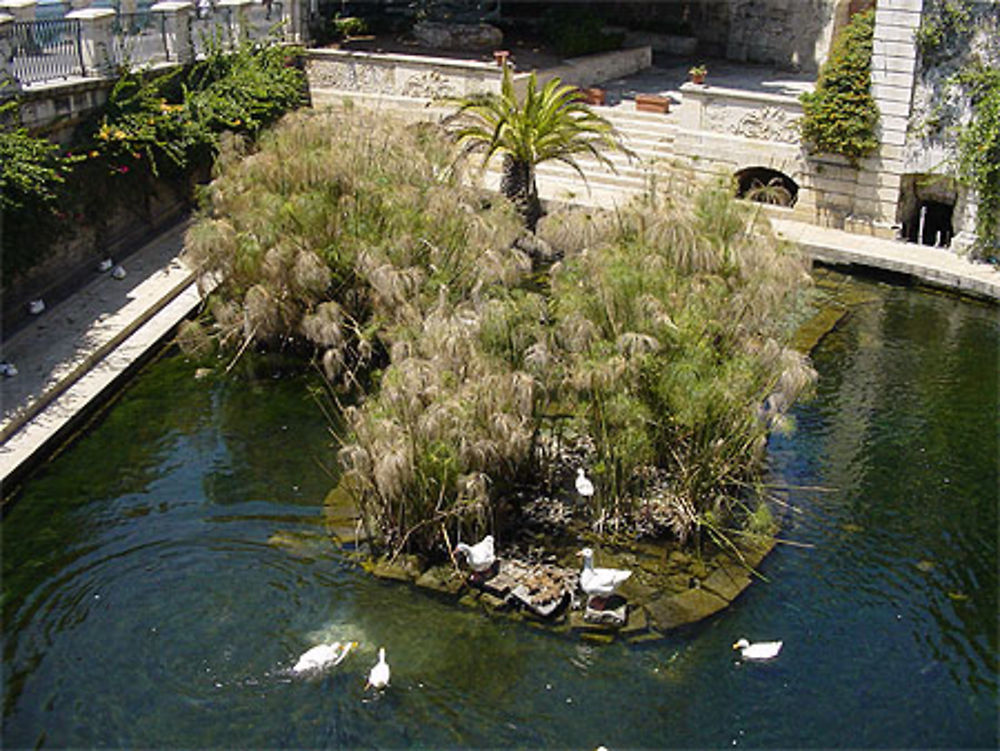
x: 766, y: 185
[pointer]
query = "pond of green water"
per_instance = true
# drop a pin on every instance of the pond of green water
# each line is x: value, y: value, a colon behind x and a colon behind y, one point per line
x: 144, y: 606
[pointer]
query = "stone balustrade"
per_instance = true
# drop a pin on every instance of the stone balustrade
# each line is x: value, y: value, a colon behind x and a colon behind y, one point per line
x: 95, y: 39
x: 176, y: 29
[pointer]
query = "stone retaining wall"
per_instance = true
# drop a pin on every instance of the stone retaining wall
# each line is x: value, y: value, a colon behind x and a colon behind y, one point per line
x: 425, y: 76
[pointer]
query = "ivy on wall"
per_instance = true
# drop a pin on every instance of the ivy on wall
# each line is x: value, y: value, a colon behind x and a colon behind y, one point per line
x: 958, y: 61
x: 840, y: 116
x: 979, y: 152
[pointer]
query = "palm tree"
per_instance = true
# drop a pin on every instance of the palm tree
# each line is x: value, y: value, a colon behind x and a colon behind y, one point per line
x: 551, y: 123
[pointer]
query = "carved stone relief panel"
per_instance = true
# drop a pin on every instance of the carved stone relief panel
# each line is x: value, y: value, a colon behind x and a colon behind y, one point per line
x: 353, y: 76
x: 768, y: 123
x: 430, y: 84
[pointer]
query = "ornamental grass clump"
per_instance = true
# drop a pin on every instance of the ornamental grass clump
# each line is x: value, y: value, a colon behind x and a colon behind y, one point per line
x: 667, y: 340
x: 655, y: 342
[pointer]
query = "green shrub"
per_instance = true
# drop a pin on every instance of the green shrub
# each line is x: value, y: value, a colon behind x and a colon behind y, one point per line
x: 153, y: 127
x: 32, y: 173
x: 579, y: 32
x: 840, y: 116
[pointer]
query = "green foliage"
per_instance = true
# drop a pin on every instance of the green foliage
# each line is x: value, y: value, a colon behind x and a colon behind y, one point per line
x: 979, y: 152
x: 549, y: 123
x: 347, y: 26
x: 579, y: 32
x: 840, y: 116
x: 944, y: 25
x: 174, y: 119
x: 32, y: 172
x: 31, y: 167
x: 667, y: 336
x: 152, y: 127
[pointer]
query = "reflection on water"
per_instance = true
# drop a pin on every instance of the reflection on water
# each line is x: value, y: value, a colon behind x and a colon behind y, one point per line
x: 162, y: 575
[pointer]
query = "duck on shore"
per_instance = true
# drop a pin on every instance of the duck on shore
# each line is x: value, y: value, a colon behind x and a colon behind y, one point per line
x: 480, y: 556
x: 599, y: 583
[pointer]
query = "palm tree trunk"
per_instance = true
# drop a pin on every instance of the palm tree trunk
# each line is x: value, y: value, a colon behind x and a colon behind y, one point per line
x: 518, y: 185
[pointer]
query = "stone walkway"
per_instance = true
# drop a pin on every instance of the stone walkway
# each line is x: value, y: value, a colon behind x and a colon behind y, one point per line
x: 72, y: 353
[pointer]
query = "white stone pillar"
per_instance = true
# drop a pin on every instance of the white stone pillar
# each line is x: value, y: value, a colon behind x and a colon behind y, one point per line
x: 294, y: 18
x: 8, y: 84
x: 20, y: 10
x: 237, y: 17
x: 176, y: 15
x: 95, y: 38
x: 894, y: 59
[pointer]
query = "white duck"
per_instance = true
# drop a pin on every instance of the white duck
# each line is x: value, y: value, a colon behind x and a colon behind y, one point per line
x: 35, y: 307
x: 480, y: 556
x: 105, y: 265
x: 599, y: 583
x: 583, y: 484
x: 378, y: 677
x: 763, y: 650
x: 323, y: 656
x: 118, y: 272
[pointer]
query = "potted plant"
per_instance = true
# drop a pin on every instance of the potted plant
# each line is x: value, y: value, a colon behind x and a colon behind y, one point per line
x: 698, y: 73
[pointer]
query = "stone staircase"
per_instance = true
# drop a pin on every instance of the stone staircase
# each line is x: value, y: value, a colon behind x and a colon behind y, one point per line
x: 650, y: 137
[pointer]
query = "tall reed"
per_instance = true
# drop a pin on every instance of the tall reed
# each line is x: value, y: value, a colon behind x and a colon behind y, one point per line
x: 656, y: 340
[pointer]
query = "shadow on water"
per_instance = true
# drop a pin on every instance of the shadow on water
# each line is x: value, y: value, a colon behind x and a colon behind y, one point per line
x: 146, y: 602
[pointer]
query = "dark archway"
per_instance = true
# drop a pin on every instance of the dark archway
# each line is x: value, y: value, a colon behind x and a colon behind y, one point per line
x: 766, y: 185
x: 930, y: 224
x: 927, y: 204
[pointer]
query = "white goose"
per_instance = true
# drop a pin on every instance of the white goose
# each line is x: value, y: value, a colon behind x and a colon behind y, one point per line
x: 763, y: 650
x: 599, y: 583
x: 481, y: 556
x: 583, y: 484
x: 379, y: 675
x: 323, y: 656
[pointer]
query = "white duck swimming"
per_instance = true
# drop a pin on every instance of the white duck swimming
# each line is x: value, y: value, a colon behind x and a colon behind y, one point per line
x: 599, y: 583
x: 481, y: 556
x: 583, y: 484
x: 378, y: 677
x: 323, y: 656
x: 763, y: 650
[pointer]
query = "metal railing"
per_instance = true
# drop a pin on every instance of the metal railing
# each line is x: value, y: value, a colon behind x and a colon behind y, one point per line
x: 138, y: 38
x: 52, y: 49
x: 46, y: 50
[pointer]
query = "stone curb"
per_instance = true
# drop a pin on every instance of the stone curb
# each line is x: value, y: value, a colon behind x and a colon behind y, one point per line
x: 20, y: 419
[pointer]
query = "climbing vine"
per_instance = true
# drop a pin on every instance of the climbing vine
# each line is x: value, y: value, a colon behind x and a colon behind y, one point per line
x: 944, y: 27
x: 979, y: 151
x: 840, y: 116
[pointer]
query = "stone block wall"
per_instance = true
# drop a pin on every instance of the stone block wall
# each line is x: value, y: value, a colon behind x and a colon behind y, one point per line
x: 788, y: 33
